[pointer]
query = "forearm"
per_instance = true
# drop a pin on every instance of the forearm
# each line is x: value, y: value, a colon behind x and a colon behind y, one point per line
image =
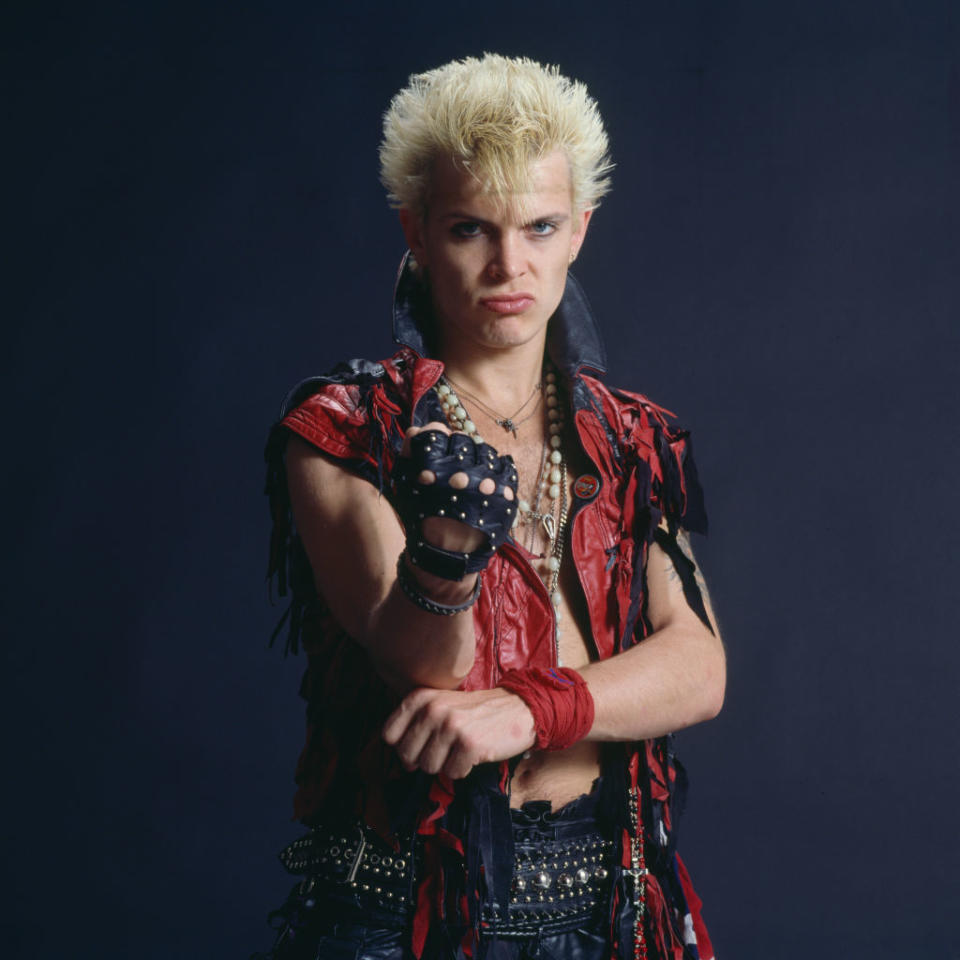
x: 353, y: 539
x: 454, y: 497
x: 414, y: 648
x: 671, y: 680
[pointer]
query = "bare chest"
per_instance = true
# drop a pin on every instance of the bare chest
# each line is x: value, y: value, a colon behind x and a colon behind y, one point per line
x: 546, y: 499
x: 563, y: 775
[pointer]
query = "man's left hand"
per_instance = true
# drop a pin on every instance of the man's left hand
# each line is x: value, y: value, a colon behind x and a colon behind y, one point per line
x: 451, y: 731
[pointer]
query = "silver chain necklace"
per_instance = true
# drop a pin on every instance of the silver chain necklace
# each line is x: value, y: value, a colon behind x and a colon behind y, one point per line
x: 509, y: 424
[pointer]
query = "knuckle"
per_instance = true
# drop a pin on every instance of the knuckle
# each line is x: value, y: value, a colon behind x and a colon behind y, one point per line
x: 449, y: 727
x: 436, y: 712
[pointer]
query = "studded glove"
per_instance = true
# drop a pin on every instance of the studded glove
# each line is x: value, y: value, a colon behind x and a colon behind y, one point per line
x: 492, y: 514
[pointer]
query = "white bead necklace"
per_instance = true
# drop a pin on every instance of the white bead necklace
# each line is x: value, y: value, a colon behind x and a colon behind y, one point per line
x: 551, y: 484
x: 457, y: 415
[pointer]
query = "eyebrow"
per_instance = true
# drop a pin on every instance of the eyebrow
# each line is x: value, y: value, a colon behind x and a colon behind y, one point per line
x: 460, y: 215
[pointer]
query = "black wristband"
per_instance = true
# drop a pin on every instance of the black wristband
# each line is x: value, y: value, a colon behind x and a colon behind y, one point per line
x: 411, y: 590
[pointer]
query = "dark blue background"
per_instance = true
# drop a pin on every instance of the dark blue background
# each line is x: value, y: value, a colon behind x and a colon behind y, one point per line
x: 196, y: 223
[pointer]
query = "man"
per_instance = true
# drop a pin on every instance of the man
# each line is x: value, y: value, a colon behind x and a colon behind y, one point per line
x: 490, y: 573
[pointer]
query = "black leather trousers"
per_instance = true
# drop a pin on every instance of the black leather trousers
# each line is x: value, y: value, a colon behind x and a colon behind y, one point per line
x: 352, y: 940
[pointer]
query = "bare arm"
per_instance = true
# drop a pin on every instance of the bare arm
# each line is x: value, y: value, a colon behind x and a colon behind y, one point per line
x: 673, y: 679
x: 353, y: 539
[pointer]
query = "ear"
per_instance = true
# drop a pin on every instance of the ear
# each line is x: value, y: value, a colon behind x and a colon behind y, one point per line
x: 413, y: 230
x: 580, y: 223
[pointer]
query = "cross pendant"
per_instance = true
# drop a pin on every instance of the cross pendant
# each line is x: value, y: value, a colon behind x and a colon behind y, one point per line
x: 636, y: 874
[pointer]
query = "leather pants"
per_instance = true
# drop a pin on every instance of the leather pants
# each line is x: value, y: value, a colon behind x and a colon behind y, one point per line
x: 333, y: 937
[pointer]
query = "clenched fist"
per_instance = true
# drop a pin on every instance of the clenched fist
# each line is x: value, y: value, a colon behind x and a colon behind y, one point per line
x: 456, y: 499
x: 451, y: 731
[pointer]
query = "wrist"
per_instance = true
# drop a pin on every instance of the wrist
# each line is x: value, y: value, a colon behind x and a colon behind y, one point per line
x: 525, y: 725
x: 559, y: 701
x: 439, y: 588
x: 442, y: 597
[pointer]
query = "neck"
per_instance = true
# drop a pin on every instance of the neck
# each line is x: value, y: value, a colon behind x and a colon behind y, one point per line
x: 503, y: 379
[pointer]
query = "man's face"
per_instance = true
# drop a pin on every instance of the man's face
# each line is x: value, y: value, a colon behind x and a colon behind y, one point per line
x: 497, y: 271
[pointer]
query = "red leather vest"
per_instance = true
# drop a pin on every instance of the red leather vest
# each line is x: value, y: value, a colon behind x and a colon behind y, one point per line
x: 609, y: 532
x: 357, y: 414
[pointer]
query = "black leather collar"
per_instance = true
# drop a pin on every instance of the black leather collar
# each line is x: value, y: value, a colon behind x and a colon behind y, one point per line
x: 573, y: 338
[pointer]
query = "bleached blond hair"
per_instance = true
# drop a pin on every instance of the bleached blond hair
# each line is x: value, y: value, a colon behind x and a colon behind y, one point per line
x: 494, y: 117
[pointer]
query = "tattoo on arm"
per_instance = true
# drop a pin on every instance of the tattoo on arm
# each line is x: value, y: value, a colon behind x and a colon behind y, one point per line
x: 683, y: 540
x: 673, y: 575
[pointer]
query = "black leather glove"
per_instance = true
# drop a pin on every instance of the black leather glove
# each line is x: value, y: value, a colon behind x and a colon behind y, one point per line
x: 492, y: 514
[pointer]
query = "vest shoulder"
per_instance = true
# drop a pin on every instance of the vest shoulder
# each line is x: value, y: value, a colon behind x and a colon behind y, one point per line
x: 337, y: 411
x: 630, y: 407
x: 358, y: 373
x: 647, y: 429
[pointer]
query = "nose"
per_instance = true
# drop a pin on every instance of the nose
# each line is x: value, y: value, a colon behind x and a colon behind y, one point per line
x: 506, y: 260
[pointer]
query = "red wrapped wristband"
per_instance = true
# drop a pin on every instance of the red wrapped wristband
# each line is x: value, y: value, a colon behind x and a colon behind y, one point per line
x: 560, y: 701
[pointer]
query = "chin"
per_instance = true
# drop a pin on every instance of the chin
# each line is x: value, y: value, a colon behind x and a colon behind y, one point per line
x: 507, y: 332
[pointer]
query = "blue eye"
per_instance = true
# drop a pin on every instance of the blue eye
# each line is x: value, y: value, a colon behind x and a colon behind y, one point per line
x: 542, y: 228
x: 466, y: 229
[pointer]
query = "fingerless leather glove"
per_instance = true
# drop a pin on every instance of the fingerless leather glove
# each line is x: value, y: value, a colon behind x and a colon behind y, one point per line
x: 490, y: 513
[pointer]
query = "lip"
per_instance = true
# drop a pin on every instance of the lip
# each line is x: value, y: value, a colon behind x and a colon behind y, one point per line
x: 508, y: 302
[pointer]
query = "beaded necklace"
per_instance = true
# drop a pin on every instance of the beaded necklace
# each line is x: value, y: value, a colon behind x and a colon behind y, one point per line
x: 551, y: 482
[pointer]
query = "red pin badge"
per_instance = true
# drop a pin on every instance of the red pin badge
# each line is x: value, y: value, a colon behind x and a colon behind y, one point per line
x: 586, y: 486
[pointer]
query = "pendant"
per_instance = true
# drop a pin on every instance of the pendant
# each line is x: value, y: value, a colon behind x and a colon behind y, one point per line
x: 549, y: 526
x: 508, y: 426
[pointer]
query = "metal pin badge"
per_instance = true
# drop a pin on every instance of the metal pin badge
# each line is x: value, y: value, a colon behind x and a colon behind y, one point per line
x: 585, y: 487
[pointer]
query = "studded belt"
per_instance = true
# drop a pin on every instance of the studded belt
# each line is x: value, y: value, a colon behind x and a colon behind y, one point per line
x: 557, y: 884
x: 355, y: 862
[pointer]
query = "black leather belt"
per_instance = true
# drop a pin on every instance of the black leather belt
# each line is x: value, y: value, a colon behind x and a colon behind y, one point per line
x: 557, y: 884
x: 354, y: 862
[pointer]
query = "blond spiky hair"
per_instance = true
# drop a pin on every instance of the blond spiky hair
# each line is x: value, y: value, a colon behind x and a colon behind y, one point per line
x: 494, y: 117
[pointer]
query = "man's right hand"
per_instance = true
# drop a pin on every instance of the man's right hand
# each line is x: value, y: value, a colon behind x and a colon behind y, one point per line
x: 442, y: 531
x: 455, y: 495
